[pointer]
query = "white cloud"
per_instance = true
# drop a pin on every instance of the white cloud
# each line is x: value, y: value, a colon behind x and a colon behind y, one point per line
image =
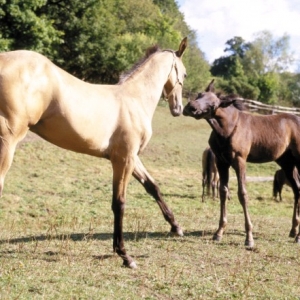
x: 217, y: 21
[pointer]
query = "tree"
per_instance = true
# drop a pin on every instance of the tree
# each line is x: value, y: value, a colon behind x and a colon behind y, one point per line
x: 252, y: 69
x: 197, y: 66
x: 96, y: 40
x: 269, y: 54
x: 22, y: 28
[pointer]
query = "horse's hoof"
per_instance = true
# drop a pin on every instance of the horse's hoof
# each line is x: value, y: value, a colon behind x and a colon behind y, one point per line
x: 217, y: 238
x: 297, y: 239
x: 131, y: 265
x: 292, y: 234
x: 249, y: 244
x: 177, y: 231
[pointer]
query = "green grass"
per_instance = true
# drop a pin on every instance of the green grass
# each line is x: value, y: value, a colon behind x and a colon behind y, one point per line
x: 56, y: 228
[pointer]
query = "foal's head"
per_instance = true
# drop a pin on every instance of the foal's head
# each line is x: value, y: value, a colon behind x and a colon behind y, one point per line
x: 206, y: 104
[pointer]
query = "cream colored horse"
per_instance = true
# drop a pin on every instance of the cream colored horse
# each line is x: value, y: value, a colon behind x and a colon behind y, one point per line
x: 108, y: 121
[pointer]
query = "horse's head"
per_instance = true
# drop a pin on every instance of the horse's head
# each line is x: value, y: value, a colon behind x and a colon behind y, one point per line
x: 174, y: 83
x: 206, y: 104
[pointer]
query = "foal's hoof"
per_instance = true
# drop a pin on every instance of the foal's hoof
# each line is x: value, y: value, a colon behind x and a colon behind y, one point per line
x: 217, y: 238
x: 131, y: 265
x: 292, y: 234
x: 297, y: 239
x: 249, y: 244
x: 177, y: 231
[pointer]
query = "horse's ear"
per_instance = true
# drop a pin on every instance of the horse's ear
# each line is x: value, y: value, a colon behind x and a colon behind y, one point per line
x: 210, y: 87
x: 182, y: 47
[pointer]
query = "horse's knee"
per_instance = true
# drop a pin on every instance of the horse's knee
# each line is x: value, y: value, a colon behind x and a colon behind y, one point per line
x: 224, y: 192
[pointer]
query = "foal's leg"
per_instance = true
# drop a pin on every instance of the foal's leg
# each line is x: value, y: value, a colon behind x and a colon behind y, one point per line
x: 141, y: 174
x: 204, y: 173
x: 214, y: 184
x: 224, y: 194
x: 122, y: 170
x: 203, y: 185
x: 240, y: 168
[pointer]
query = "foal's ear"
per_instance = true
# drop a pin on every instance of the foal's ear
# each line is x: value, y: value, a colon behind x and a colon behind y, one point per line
x: 182, y: 47
x: 210, y: 87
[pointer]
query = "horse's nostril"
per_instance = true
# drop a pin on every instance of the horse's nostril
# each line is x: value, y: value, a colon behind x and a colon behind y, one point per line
x: 192, y: 108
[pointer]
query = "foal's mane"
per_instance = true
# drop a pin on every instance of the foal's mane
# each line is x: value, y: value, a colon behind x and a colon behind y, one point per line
x: 234, y: 100
x: 149, y: 52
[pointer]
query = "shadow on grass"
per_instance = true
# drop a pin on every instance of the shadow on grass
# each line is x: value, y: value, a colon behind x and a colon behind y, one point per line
x: 129, y: 236
x: 79, y: 237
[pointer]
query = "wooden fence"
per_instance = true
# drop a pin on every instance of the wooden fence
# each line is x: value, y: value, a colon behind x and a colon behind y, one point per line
x: 256, y: 106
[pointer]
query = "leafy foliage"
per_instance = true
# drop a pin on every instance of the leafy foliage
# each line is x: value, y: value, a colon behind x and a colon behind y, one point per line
x: 97, y: 40
x: 253, y: 70
x: 21, y: 27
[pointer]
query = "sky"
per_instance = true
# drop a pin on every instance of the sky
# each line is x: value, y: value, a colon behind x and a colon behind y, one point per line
x: 217, y: 21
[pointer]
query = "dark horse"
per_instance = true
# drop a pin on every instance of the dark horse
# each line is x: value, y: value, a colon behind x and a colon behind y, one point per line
x: 210, y: 175
x: 238, y: 137
x: 279, y: 181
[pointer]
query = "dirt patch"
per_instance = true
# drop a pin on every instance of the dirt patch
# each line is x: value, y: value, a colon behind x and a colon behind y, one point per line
x: 260, y: 179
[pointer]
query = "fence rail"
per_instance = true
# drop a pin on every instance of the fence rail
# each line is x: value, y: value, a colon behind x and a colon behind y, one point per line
x: 262, y: 108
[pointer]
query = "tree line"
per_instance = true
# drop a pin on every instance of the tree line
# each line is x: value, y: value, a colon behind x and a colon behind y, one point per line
x: 97, y: 40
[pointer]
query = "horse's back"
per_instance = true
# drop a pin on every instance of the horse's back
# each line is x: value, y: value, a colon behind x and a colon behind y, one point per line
x: 267, y: 137
x: 27, y: 84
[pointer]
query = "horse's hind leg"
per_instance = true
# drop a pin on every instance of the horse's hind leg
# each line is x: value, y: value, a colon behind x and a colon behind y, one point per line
x: 293, y: 178
x: 9, y: 137
x: 141, y: 174
x: 292, y: 175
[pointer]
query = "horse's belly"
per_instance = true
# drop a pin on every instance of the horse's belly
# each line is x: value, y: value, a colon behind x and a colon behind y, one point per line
x: 66, y: 137
x: 262, y: 155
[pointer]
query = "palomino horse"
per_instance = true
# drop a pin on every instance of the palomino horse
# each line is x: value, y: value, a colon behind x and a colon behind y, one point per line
x: 107, y: 121
x: 279, y: 181
x: 210, y: 175
x: 238, y: 137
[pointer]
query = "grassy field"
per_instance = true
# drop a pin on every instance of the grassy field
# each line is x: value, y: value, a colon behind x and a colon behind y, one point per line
x: 56, y: 227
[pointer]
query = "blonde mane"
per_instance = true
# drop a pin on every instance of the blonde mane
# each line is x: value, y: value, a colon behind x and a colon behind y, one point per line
x: 149, y: 52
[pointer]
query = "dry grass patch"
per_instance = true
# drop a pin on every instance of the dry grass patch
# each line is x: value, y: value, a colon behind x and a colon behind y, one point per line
x: 56, y: 228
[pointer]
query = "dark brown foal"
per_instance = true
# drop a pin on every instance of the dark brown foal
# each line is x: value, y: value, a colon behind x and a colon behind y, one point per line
x: 238, y: 137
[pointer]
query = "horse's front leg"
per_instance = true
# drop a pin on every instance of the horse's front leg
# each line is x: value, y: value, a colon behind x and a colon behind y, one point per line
x: 240, y: 168
x: 122, y: 170
x: 140, y: 173
x: 223, y: 169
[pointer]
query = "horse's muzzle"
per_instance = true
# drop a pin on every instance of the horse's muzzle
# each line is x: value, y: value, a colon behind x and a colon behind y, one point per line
x: 188, y: 110
x: 177, y: 111
x: 191, y: 111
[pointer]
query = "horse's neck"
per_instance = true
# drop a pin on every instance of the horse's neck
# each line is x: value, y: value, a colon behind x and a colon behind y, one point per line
x: 147, y: 83
x: 224, y: 121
